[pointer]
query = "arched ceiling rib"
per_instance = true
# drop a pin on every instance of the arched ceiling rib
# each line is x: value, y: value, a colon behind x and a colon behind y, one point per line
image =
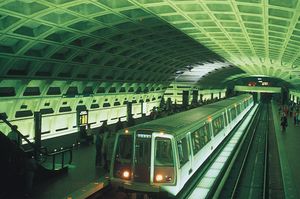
x: 262, y: 37
x: 220, y: 77
x: 111, y: 40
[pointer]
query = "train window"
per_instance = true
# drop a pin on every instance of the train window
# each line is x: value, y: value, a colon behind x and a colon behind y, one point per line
x: 163, y: 153
x: 246, y: 103
x: 124, y: 149
x: 123, y: 157
x: 205, y: 136
x: 164, y: 171
x: 143, y: 149
x: 238, y: 108
x: 225, y: 118
x: 233, y: 113
x: 183, y: 151
x: 196, y: 141
x: 200, y: 138
x: 218, y: 124
x: 142, y: 158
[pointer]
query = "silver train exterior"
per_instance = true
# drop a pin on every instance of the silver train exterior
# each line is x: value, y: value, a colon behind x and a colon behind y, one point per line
x: 161, y: 155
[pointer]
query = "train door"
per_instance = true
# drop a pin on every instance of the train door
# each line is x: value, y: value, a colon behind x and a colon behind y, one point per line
x: 191, y: 155
x: 142, y: 157
x: 184, y: 159
x: 163, y: 161
x: 227, y: 116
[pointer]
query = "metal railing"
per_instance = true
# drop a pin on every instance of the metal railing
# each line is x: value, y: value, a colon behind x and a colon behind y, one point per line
x: 39, y: 152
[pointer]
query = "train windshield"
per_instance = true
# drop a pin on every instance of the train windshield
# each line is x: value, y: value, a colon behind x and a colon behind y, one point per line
x: 123, y: 157
x: 142, y: 160
x: 164, y: 170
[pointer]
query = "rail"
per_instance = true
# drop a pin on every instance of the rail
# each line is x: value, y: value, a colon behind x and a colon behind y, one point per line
x: 37, y: 150
x: 220, y: 180
x: 266, y: 161
x: 241, y: 170
x: 188, y: 189
x: 62, y: 152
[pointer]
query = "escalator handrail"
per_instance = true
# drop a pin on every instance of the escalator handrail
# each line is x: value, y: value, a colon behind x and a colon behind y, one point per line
x: 43, y: 151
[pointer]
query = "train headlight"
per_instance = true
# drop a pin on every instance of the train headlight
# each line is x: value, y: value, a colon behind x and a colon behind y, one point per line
x: 126, y: 174
x: 158, y: 177
x: 169, y: 179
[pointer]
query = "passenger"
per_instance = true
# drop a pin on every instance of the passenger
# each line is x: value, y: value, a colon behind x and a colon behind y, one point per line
x: 82, y: 133
x: 104, y: 145
x: 30, y: 168
x: 119, y: 125
x: 284, y: 123
x: 108, y: 149
x: 131, y: 121
x: 286, y: 110
x: 98, y: 145
x: 89, y: 134
x: 13, y: 135
x: 295, y: 117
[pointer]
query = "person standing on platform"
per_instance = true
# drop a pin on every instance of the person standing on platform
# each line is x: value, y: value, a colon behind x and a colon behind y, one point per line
x: 295, y: 117
x: 108, y: 149
x: 98, y: 145
x: 89, y: 134
x: 284, y: 122
x: 30, y: 168
x: 119, y: 125
x: 13, y: 135
x: 104, y: 143
x: 291, y: 110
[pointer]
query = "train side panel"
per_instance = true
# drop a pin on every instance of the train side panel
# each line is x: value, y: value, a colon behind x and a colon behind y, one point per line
x: 208, y: 140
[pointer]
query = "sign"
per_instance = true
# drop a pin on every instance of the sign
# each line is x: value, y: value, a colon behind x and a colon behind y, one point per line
x: 143, y: 136
x: 83, y: 118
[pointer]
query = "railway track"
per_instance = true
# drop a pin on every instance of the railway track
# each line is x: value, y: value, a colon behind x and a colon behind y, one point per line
x: 216, y: 190
x: 249, y: 176
x: 198, y: 186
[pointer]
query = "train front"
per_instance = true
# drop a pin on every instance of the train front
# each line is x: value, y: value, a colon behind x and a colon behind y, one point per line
x: 143, y: 161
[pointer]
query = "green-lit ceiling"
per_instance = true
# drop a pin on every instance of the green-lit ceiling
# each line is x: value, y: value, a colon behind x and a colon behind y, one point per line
x: 147, y: 40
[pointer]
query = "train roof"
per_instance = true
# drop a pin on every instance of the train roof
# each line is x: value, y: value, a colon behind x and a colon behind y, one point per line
x: 181, y: 120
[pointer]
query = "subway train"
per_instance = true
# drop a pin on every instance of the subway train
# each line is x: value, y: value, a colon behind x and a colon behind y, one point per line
x: 161, y: 155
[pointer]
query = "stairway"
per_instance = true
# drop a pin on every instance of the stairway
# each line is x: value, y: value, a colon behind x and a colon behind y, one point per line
x: 15, y: 158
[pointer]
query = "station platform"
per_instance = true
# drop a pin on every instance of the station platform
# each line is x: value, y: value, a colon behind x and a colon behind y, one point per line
x: 82, y: 179
x: 289, y: 148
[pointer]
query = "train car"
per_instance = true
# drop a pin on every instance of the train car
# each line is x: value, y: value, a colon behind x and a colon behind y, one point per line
x: 161, y: 155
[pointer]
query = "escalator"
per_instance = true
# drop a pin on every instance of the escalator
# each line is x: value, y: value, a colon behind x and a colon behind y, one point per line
x: 18, y: 160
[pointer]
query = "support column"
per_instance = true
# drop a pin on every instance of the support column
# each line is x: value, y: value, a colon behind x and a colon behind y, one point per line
x: 130, y: 120
x: 195, y: 97
x: 201, y: 98
x: 129, y: 111
x: 185, y: 98
x: 37, y: 130
x: 143, y: 113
